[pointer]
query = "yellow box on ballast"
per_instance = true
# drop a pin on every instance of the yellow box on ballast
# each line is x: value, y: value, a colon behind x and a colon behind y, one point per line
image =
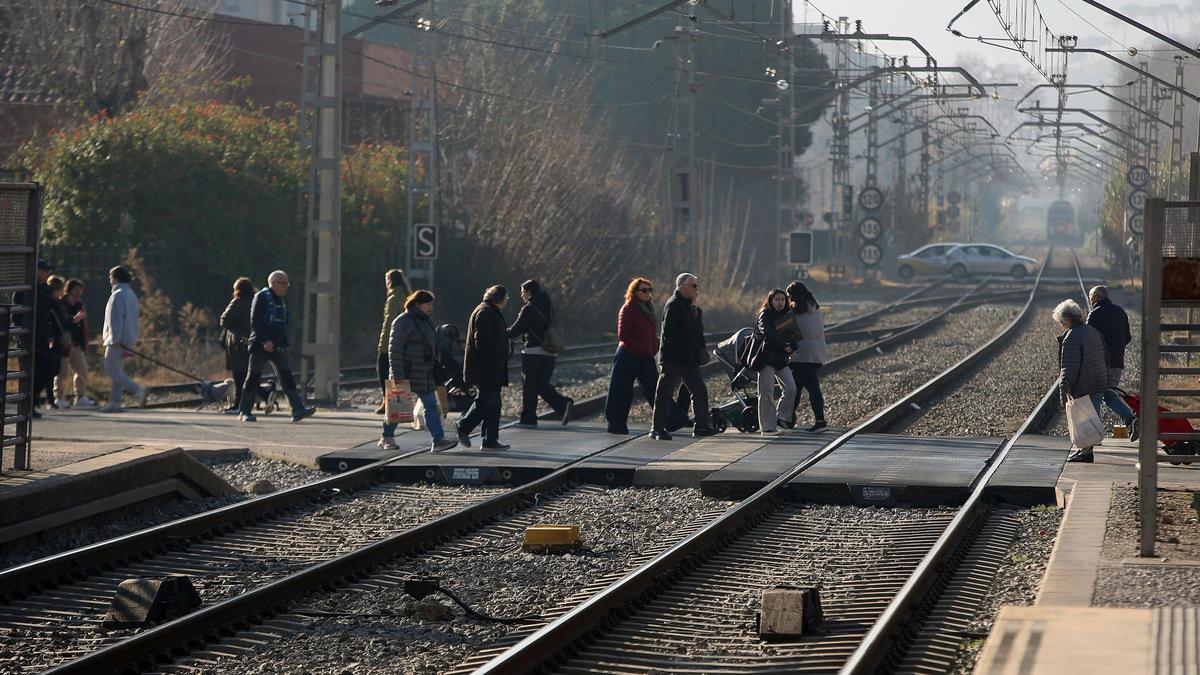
x: 547, y: 536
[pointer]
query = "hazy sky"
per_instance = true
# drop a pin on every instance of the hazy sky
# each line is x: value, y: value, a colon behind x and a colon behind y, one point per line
x: 926, y: 20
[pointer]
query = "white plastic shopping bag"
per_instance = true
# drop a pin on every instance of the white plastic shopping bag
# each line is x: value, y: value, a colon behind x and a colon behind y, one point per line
x: 1084, y: 422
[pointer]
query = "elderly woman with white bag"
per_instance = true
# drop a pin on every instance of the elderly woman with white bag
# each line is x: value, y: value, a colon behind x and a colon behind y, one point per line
x: 1083, y: 367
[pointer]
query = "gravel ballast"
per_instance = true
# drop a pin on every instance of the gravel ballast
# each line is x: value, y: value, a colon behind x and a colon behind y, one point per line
x: 996, y: 398
x: 231, y: 563
x: 487, y: 570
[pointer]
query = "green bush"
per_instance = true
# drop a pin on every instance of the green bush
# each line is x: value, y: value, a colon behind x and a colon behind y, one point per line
x: 213, y: 187
x: 215, y: 184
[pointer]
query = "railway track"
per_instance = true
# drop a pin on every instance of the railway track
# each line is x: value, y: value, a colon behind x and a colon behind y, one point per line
x: 73, y: 576
x: 686, y: 610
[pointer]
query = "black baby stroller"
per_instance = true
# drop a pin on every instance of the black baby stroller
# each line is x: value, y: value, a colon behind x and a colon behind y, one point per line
x: 742, y: 411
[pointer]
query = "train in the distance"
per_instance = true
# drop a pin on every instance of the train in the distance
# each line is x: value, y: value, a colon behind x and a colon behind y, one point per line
x: 1061, y: 225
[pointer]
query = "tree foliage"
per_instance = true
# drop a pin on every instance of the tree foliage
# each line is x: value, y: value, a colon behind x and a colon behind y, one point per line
x: 215, y: 187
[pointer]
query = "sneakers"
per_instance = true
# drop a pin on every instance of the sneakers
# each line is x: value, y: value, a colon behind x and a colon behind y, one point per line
x: 111, y: 408
x: 443, y: 444
x: 567, y: 411
x: 381, y: 409
x: 785, y: 424
x: 1081, y: 455
x: 85, y: 403
x: 660, y: 435
x: 247, y: 417
x: 304, y: 413
x: 818, y: 427
x: 62, y: 404
x: 388, y: 443
x: 141, y: 397
x: 231, y: 410
x: 1135, y: 429
x: 701, y: 432
x: 463, y: 437
x: 497, y: 446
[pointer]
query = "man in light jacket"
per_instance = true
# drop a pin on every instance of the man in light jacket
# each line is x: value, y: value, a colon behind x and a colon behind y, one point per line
x: 120, y: 335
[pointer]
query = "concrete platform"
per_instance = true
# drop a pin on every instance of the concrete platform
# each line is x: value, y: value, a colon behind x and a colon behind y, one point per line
x: 273, y: 436
x: 534, y: 453
x: 691, y: 464
x: 38, y: 502
x: 750, y: 473
x: 1063, y: 632
x: 1057, y: 640
x: 1030, y: 473
x: 885, y: 470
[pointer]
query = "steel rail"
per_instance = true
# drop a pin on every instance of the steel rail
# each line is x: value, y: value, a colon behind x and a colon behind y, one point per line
x: 553, y: 639
x: 76, y: 563
x: 271, y: 599
x: 897, y: 619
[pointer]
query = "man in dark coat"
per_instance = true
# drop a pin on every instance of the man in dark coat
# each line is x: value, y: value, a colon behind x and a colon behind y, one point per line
x: 683, y: 352
x: 485, y: 365
x: 1113, y: 323
x: 269, y: 342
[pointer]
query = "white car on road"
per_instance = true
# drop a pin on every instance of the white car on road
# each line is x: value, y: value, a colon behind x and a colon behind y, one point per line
x: 967, y: 260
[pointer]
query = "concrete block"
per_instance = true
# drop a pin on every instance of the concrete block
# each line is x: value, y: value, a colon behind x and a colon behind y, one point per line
x: 789, y: 612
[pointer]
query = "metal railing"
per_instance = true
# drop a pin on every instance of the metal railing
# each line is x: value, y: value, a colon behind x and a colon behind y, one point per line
x: 20, y: 224
x: 1171, y: 293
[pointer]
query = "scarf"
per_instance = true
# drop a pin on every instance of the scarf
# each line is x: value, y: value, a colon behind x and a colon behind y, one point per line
x: 647, y: 309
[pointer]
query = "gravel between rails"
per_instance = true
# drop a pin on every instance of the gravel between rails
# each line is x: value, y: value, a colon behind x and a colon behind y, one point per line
x: 995, y: 399
x: 237, y: 472
x: 1018, y: 579
x: 228, y: 564
x: 853, y: 394
x: 282, y: 475
x: 487, y: 570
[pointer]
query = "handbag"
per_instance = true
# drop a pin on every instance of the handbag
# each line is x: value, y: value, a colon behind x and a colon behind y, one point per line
x: 754, y: 352
x: 552, y: 340
x: 1083, y: 422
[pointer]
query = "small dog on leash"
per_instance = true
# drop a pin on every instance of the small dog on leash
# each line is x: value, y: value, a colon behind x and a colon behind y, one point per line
x: 218, y: 394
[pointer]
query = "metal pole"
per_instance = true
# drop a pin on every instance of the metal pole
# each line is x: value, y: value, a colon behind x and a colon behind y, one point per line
x: 421, y: 180
x: 785, y: 216
x: 323, y: 273
x: 1151, y: 319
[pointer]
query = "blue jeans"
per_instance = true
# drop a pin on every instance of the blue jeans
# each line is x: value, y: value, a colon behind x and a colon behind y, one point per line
x: 627, y: 370
x: 484, y: 412
x: 433, y: 418
x: 1114, y: 400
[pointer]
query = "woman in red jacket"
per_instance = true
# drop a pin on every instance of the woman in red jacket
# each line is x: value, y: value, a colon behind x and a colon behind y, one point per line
x: 637, y: 328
